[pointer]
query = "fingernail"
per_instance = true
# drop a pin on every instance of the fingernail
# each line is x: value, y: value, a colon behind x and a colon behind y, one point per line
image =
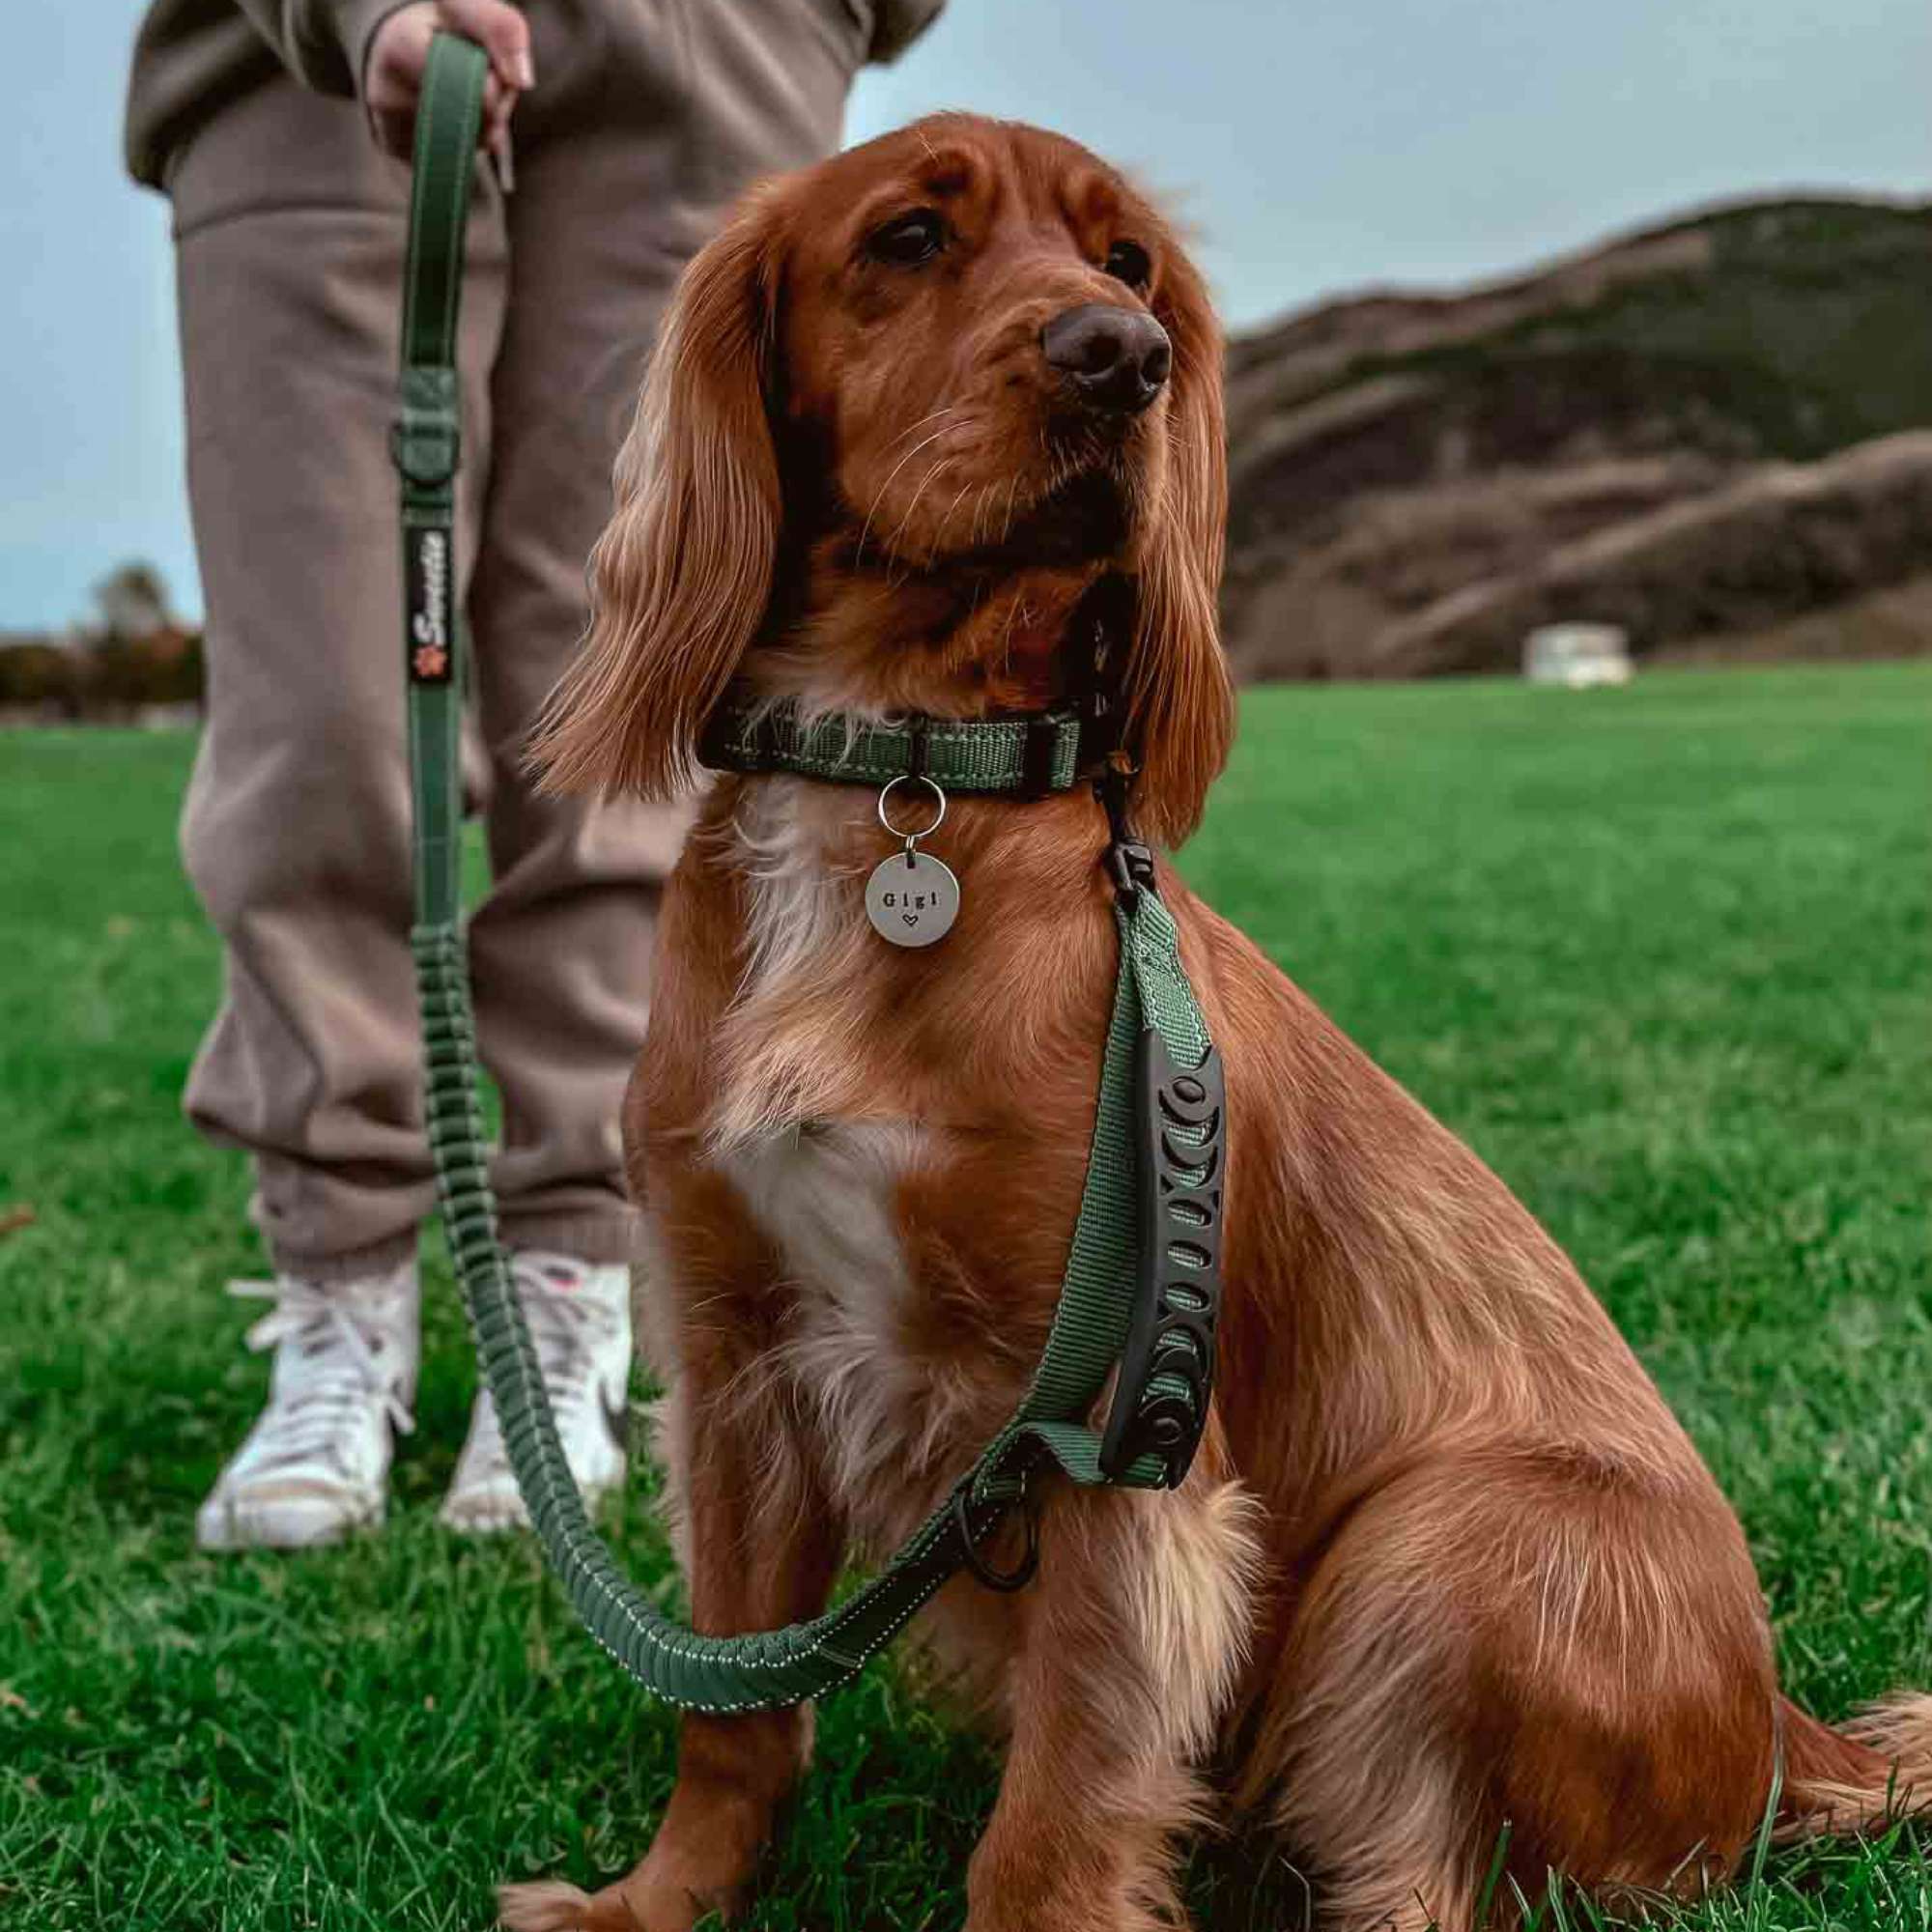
x: 526, y: 69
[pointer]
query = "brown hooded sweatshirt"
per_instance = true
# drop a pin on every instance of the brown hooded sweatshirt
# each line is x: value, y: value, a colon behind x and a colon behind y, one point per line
x: 195, y: 57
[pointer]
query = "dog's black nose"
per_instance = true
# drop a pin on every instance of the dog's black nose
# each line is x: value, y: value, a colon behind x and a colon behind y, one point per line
x: 1114, y: 358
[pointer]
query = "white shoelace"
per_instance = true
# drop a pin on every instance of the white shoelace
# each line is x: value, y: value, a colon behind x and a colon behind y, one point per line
x: 335, y: 1370
x: 565, y: 1325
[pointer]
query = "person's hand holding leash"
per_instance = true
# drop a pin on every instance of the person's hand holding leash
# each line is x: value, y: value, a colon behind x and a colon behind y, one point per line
x: 398, y: 51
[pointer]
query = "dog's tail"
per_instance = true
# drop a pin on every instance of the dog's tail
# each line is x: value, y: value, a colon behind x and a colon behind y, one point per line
x: 1860, y: 1778
x: 551, y: 1906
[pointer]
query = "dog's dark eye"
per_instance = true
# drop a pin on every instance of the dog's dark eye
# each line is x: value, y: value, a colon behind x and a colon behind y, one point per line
x: 1127, y: 262
x: 907, y: 240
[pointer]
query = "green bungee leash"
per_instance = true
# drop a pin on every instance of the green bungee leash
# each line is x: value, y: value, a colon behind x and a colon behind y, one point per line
x: 1142, y: 1283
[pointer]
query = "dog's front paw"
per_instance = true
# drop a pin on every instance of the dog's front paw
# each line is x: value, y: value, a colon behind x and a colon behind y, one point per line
x: 548, y: 1906
x: 658, y: 1902
x: 646, y: 1901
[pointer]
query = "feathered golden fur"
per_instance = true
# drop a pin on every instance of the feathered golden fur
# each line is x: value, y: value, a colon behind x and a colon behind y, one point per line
x: 1445, y: 1557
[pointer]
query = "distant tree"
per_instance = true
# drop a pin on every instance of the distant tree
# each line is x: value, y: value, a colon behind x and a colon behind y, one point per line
x: 132, y: 600
x: 135, y: 656
x: 39, y: 677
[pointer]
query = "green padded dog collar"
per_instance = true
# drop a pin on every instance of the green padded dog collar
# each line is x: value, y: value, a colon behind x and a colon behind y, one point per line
x: 1026, y: 757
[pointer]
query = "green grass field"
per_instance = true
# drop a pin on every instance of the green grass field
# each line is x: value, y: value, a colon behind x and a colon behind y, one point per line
x: 1660, y: 955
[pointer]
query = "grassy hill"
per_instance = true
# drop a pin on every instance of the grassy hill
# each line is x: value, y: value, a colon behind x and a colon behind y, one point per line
x: 1662, y: 955
x: 1395, y: 450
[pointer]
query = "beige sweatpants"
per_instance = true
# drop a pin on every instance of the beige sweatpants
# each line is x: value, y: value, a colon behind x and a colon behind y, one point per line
x: 649, y: 115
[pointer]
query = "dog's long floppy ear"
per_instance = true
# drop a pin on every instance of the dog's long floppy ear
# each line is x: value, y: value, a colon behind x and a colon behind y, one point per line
x: 1180, y: 702
x: 681, y: 576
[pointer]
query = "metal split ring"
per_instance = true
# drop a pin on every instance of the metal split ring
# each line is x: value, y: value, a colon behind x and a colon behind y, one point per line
x: 938, y: 793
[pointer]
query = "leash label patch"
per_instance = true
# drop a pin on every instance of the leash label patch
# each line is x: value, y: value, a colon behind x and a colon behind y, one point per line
x: 427, y: 568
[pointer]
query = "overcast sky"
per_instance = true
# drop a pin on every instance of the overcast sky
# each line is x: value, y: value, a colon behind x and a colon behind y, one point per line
x: 1315, y: 147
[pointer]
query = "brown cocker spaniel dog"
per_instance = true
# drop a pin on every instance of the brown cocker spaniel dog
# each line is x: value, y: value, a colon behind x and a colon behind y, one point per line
x: 1445, y: 1558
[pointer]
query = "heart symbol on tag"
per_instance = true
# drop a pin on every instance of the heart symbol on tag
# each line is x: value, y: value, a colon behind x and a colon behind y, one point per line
x: 911, y: 899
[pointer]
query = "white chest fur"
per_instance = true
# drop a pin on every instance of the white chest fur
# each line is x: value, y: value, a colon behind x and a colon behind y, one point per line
x: 824, y: 1192
x: 801, y: 902
x: 826, y: 1198
x: 784, y: 1044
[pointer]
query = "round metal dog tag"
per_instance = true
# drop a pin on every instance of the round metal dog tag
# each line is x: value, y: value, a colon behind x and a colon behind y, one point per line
x: 912, y: 899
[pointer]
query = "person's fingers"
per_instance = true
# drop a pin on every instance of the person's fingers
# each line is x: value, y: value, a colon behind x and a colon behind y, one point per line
x: 499, y: 104
x: 399, y: 56
x: 392, y: 79
x: 503, y: 34
x: 503, y: 158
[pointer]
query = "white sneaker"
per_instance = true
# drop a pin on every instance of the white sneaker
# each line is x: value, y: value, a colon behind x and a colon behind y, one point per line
x: 579, y: 1318
x: 317, y: 1461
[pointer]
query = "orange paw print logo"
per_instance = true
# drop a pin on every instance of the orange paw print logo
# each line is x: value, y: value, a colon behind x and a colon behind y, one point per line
x: 431, y: 661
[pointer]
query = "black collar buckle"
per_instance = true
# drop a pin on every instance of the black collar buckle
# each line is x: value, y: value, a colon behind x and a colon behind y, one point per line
x: 1130, y: 867
x: 1129, y: 861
